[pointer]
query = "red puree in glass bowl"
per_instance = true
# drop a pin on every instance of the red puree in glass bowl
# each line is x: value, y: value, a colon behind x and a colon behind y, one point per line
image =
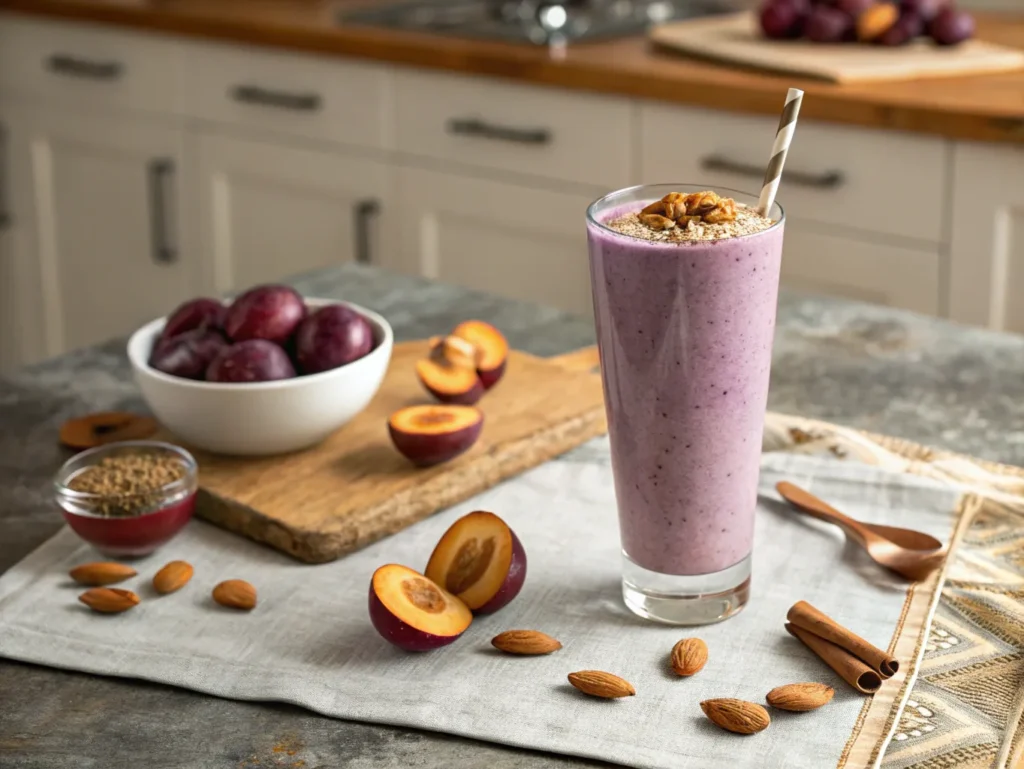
x: 128, y: 498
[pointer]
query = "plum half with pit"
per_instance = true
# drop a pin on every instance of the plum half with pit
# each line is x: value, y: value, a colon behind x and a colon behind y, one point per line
x: 481, y: 561
x: 188, y: 354
x: 430, y: 435
x: 202, y: 313
x: 331, y: 337
x: 414, y: 613
x: 270, y: 312
x: 254, y: 360
x: 449, y: 373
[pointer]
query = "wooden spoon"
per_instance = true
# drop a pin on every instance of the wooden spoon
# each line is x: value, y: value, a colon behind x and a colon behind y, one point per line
x: 911, y: 554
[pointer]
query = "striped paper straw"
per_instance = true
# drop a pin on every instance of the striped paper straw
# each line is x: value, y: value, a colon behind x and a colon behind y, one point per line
x: 783, y: 138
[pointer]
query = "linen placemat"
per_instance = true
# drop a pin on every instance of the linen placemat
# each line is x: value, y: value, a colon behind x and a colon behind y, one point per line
x: 309, y: 641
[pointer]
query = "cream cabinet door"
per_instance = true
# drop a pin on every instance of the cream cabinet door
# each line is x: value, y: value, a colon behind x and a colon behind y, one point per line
x: 986, y: 286
x: 513, y: 241
x: 821, y: 262
x: 269, y: 211
x: 110, y: 246
x: 13, y: 255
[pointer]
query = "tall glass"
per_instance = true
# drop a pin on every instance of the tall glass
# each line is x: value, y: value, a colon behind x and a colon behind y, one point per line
x: 685, y: 332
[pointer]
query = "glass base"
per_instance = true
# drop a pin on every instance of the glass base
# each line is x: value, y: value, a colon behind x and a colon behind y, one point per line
x: 674, y: 599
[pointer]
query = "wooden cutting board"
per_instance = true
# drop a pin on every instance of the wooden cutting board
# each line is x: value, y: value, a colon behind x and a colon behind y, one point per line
x: 736, y: 39
x: 355, y: 488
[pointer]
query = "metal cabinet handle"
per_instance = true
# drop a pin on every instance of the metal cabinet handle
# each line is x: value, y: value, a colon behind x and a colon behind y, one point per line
x: 827, y: 180
x: 5, y: 214
x: 364, y: 212
x: 163, y: 252
x: 482, y: 130
x: 66, y: 64
x: 254, y: 94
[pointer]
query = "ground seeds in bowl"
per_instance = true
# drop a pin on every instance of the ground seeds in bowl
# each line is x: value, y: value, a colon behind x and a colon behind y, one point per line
x: 130, y: 483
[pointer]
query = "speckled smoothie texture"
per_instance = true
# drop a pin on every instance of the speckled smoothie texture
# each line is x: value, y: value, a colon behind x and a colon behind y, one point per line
x: 685, y: 334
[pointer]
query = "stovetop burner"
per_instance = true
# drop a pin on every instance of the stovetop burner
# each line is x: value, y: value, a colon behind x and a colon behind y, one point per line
x: 540, y: 22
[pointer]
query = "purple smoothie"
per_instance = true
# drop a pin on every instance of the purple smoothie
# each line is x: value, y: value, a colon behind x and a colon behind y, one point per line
x: 685, y: 335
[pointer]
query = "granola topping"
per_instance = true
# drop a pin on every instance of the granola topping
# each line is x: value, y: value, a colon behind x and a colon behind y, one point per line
x: 695, y: 216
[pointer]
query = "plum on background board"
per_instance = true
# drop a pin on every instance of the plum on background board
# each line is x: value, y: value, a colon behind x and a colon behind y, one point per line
x: 906, y: 28
x: 270, y: 312
x: 925, y: 9
x: 254, y: 360
x: 193, y: 314
x: 951, y: 27
x: 188, y: 354
x: 828, y: 25
x: 853, y: 7
x: 332, y: 336
x: 783, y: 19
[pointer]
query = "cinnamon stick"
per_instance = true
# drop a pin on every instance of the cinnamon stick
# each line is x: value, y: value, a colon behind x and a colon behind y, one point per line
x: 805, y: 616
x: 855, y: 672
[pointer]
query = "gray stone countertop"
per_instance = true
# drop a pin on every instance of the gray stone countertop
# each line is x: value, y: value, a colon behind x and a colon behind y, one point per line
x: 870, y: 367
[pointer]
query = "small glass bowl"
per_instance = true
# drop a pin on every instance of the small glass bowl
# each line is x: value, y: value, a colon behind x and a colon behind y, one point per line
x: 134, y: 535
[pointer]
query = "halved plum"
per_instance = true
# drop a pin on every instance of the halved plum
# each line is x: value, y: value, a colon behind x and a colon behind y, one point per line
x: 449, y: 373
x: 480, y: 560
x: 412, y: 612
x: 430, y: 435
x: 491, y: 349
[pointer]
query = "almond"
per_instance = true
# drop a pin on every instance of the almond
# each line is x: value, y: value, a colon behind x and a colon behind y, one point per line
x: 597, y: 683
x: 737, y: 716
x: 109, y: 600
x: 173, y: 576
x: 525, y: 642
x: 800, y: 697
x: 101, y: 573
x: 235, y: 594
x: 689, y: 656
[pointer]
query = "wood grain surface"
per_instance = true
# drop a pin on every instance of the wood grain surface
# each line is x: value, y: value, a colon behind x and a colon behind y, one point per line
x: 737, y: 39
x: 982, y: 107
x: 355, y: 488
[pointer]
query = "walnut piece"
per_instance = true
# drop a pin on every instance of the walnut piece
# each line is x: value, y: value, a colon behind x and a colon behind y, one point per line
x: 657, y: 221
x: 690, y: 210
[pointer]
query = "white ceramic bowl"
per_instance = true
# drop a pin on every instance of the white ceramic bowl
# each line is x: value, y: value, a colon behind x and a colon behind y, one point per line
x: 261, y: 418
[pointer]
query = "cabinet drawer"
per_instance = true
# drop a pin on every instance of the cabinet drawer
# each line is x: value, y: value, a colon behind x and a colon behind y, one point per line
x: 529, y: 130
x: 318, y: 98
x: 93, y: 66
x: 876, y: 181
x: 880, y: 273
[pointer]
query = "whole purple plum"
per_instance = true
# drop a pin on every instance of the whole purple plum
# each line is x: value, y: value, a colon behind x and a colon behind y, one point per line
x: 331, y: 337
x: 268, y: 312
x: 254, y: 360
x: 202, y: 313
x: 188, y: 354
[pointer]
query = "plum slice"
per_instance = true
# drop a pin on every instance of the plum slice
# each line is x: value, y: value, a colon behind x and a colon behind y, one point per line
x: 480, y: 560
x: 450, y: 373
x: 491, y: 349
x: 413, y: 613
x: 430, y: 435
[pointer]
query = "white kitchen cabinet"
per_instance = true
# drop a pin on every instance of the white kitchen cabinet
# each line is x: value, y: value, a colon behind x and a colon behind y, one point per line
x: 12, y: 229
x: 819, y: 261
x: 110, y: 244
x: 271, y: 210
x: 986, y: 285
x: 513, y: 241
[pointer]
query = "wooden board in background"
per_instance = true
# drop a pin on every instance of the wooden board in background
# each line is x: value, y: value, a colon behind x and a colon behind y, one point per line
x: 355, y: 488
x: 736, y: 39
